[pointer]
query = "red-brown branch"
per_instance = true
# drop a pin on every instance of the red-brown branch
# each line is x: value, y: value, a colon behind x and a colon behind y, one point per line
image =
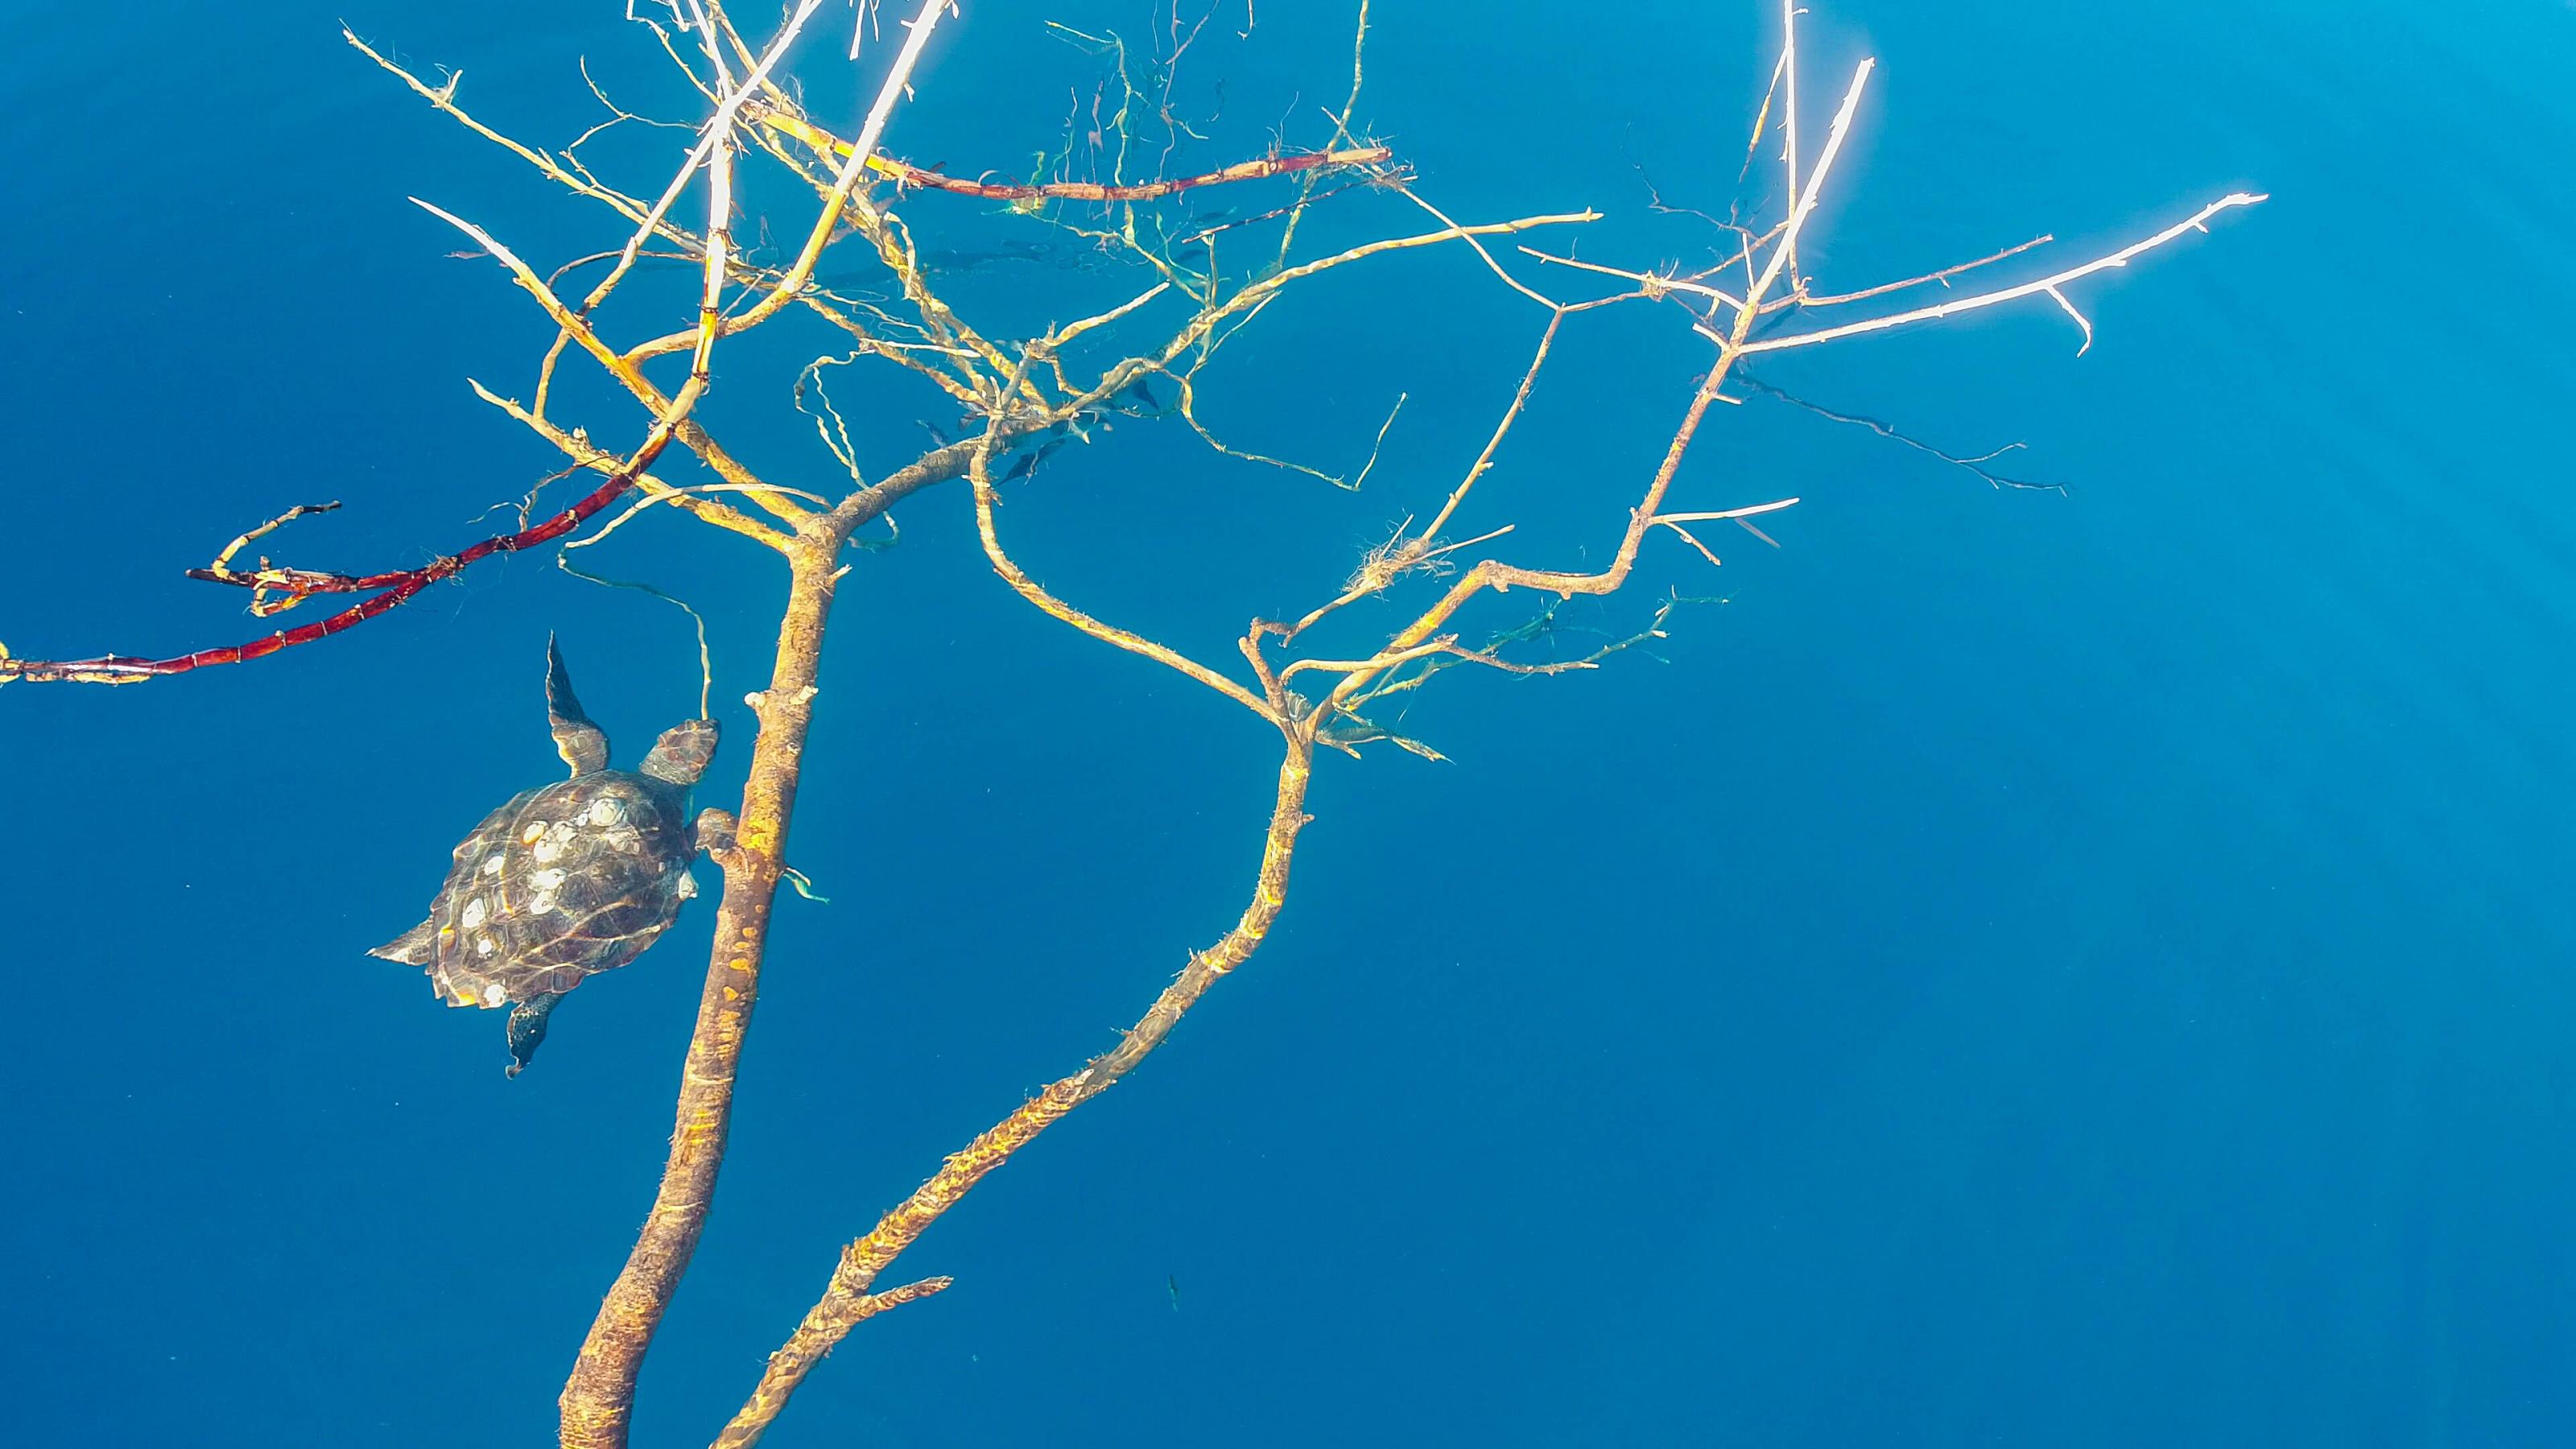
x: 398, y: 589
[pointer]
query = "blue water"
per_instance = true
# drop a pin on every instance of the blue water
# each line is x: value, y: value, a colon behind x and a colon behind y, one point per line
x: 2025, y: 970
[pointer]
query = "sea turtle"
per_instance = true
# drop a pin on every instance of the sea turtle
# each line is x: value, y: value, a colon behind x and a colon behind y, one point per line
x: 567, y: 879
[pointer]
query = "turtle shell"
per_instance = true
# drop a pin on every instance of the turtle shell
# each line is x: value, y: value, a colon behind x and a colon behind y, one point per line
x: 565, y: 880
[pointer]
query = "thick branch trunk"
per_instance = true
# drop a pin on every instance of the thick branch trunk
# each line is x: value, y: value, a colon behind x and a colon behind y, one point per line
x: 598, y: 1401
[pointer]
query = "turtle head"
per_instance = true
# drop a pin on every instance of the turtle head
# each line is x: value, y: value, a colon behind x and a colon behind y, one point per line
x: 527, y: 1030
x: 681, y: 754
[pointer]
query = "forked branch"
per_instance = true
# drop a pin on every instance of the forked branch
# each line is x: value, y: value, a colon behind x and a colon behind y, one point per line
x: 843, y: 1303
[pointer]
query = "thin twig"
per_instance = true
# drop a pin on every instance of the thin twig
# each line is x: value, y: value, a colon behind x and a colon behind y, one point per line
x: 2049, y: 284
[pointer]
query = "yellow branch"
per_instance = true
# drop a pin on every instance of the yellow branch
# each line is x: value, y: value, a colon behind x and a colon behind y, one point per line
x: 845, y: 1299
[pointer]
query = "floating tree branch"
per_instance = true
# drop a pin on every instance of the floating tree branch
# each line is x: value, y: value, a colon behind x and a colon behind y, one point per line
x: 1021, y: 395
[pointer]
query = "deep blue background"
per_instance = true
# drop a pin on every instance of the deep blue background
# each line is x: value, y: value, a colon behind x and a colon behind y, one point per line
x: 2029, y: 970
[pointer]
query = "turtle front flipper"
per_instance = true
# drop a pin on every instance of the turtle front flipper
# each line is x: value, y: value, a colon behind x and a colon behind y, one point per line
x: 680, y: 756
x: 713, y: 830
x: 527, y: 1030
x: 583, y: 745
x: 415, y: 947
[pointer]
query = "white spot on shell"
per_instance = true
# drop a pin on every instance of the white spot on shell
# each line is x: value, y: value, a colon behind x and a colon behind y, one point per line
x: 547, y: 880
x: 482, y: 945
x: 544, y: 902
x: 475, y: 911
x: 529, y: 835
x: 556, y: 838
x: 605, y: 811
x: 492, y: 994
x: 492, y: 866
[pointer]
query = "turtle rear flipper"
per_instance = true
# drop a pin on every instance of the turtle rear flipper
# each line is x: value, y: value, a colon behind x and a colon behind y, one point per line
x: 415, y: 947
